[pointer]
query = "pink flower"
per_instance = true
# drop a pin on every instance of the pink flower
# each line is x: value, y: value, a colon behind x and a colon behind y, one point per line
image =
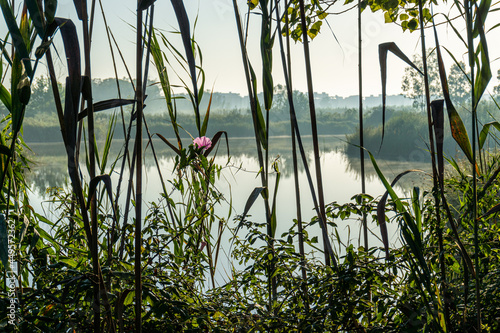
x: 203, y: 142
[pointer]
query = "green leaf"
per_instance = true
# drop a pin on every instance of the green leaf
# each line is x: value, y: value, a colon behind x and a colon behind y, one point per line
x: 17, y: 37
x: 70, y: 262
x: 485, y: 131
x: 5, y: 98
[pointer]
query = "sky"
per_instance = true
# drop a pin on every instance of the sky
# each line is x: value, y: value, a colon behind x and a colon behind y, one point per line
x: 333, y: 52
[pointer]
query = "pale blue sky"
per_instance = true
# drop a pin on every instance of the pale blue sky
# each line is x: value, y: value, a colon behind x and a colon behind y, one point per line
x: 334, y: 64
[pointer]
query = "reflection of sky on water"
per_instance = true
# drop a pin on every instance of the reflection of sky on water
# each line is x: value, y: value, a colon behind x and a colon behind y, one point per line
x: 239, y: 177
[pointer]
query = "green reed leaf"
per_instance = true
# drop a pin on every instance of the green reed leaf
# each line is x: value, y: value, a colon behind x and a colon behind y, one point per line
x: 17, y: 37
x: 484, y: 132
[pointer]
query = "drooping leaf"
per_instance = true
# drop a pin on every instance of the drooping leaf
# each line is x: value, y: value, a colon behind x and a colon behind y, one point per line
x: 105, y: 105
x: 216, y: 139
x: 250, y: 201
x: 484, y: 132
x: 383, y: 49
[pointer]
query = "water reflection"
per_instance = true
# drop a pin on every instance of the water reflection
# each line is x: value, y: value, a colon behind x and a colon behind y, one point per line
x: 50, y: 168
x: 239, y: 177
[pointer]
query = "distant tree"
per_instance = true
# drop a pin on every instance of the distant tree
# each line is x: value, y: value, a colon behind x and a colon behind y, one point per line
x: 42, y: 98
x: 496, y: 89
x: 413, y: 82
x: 459, y: 83
x: 280, y: 102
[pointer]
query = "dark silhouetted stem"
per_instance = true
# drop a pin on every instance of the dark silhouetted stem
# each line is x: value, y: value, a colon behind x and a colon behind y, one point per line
x: 138, y: 175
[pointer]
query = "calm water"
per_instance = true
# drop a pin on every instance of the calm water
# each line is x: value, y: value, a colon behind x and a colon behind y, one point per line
x: 240, y: 176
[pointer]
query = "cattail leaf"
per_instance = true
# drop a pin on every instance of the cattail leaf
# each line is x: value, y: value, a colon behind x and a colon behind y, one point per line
x: 216, y: 139
x: 5, y: 98
x: 382, y: 202
x: 175, y: 149
x: 207, y: 115
x: 485, y: 131
x: 4, y: 243
x: 261, y: 124
x: 106, y: 105
x: 50, y: 10
x: 36, y: 16
x: 182, y: 19
x: 17, y: 37
x: 438, y: 125
x: 383, y: 49
x: 80, y: 10
x: 144, y: 4
x: 458, y: 131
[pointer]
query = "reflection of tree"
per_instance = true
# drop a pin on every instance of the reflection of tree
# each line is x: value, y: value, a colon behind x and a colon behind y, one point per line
x: 50, y: 169
x: 43, y: 177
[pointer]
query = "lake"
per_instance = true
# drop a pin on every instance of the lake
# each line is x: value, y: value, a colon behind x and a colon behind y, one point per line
x: 239, y: 176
